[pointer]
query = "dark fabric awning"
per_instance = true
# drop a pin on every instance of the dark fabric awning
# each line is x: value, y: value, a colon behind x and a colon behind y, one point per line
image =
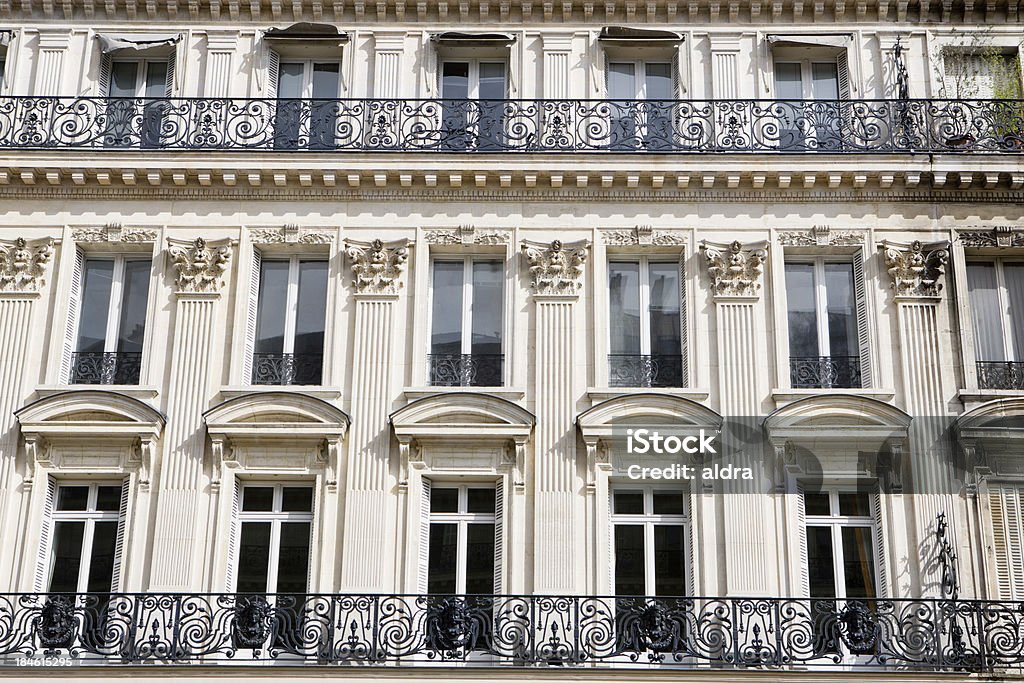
x: 111, y: 43
x: 307, y: 31
x: 472, y: 39
x: 834, y: 40
x: 638, y: 36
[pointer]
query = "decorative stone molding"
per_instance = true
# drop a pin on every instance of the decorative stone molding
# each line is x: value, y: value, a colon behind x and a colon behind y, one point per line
x: 114, y: 232
x: 735, y: 268
x: 200, y: 265
x: 377, y: 265
x: 467, y: 235
x: 915, y: 268
x: 556, y: 268
x: 821, y: 236
x: 998, y: 236
x: 290, y: 234
x: 23, y: 264
x: 642, y: 235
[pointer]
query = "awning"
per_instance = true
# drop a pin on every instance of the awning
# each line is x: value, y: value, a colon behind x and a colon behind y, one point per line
x: 112, y: 44
x: 625, y: 35
x: 780, y: 39
x: 307, y: 32
x: 473, y: 39
x: 6, y: 36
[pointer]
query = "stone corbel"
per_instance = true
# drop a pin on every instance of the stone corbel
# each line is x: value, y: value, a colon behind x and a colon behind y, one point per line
x: 410, y: 457
x: 199, y: 265
x: 23, y: 264
x: 593, y: 444
x: 735, y: 268
x: 377, y: 265
x: 555, y: 268
x: 890, y: 468
x: 916, y: 269
x: 327, y: 455
x: 143, y: 454
x: 37, y: 450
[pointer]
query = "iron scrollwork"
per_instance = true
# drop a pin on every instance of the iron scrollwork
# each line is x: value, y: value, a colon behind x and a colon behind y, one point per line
x: 825, y: 372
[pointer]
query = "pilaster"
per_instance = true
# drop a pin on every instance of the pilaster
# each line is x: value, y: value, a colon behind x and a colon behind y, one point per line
x: 389, y: 50
x: 220, y: 70
x: 53, y: 45
x: 557, y: 81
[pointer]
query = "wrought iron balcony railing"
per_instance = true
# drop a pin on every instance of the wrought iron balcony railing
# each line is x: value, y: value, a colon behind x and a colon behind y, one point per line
x: 465, y: 369
x: 660, y: 370
x: 287, y: 368
x: 440, y: 125
x: 100, y: 367
x: 824, y: 372
x: 1000, y: 374
x: 750, y: 633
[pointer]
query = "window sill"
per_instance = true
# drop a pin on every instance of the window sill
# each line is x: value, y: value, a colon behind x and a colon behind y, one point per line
x: 974, y: 397
x: 509, y: 393
x: 138, y: 391
x: 314, y: 390
x: 599, y: 394
x: 785, y: 396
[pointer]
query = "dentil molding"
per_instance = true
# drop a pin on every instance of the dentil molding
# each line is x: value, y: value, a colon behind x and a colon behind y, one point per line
x: 377, y: 265
x: 916, y: 268
x: 200, y: 265
x: 735, y: 268
x: 556, y: 268
x: 23, y: 264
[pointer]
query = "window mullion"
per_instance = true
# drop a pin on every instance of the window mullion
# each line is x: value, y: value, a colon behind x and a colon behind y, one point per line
x: 649, y: 578
x: 839, y: 560
x: 291, y: 306
x: 821, y: 308
x: 645, y: 305
x: 114, y: 308
x: 273, y: 555
x: 86, y: 556
x: 1005, y: 318
x: 467, y: 305
x: 461, y: 552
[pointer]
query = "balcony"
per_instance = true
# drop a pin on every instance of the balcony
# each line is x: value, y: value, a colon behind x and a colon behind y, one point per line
x: 660, y: 370
x: 465, y: 369
x: 99, y: 367
x: 287, y: 368
x: 1000, y: 375
x: 824, y: 372
x: 519, y: 631
x: 528, y: 126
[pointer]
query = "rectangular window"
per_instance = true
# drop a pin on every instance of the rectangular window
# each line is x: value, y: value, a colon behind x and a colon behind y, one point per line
x: 824, y: 344
x: 649, y: 536
x: 809, y: 93
x: 467, y: 317
x: 86, y: 520
x: 645, y: 334
x: 111, y: 321
x: 275, y: 529
x: 642, y: 112
x: 137, y: 90
x: 996, y: 292
x: 461, y: 544
x: 473, y: 94
x: 307, y: 93
x: 290, y: 321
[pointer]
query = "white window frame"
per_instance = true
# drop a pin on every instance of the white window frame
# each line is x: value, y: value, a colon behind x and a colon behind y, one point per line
x: 275, y: 517
x: 116, y: 298
x: 645, y: 297
x: 141, y: 70
x: 1006, y: 319
x: 640, y: 74
x: 837, y: 522
x: 821, y: 298
x: 307, y: 74
x: 648, y: 519
x: 291, y: 315
x: 463, y: 519
x: 90, y: 516
x: 474, y: 73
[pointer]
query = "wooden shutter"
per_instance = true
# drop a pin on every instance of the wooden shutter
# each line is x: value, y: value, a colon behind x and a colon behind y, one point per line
x: 691, y: 564
x: 1006, y: 504
x: 499, y: 537
x: 863, y: 319
x: 236, y: 504
x: 424, y: 556
x: 250, y: 322
x: 273, y: 70
x: 882, y: 580
x: 106, y: 65
x: 172, y: 60
x: 122, y: 523
x: 683, y: 337
x: 611, y: 540
x: 71, y: 322
x: 843, y: 75
x: 800, y: 520
x: 45, y: 531
x: 314, y: 542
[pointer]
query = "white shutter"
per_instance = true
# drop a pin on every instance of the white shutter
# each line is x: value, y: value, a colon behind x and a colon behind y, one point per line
x: 683, y: 337
x: 273, y: 70
x: 172, y: 60
x: 690, y: 568
x: 611, y: 541
x: 122, y: 522
x: 882, y: 580
x: 803, y: 573
x: 424, y: 556
x: 45, y: 530
x: 843, y: 71
x: 863, y: 319
x: 229, y: 577
x: 499, y: 537
x: 250, y: 323
x: 314, y: 541
x: 1007, y: 507
x: 677, y: 74
x: 106, y: 65
x: 71, y: 323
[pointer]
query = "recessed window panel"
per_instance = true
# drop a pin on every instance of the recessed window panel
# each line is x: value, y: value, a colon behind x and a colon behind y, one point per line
x: 72, y: 497
x: 480, y: 500
x: 628, y: 503
x: 444, y: 500
x: 257, y: 499
x: 296, y: 499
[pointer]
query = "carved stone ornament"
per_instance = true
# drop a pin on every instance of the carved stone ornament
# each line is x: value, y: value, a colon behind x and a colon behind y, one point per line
x: 821, y: 236
x: 999, y: 236
x: 556, y: 268
x: 915, y: 268
x: 642, y: 235
x: 467, y: 235
x: 377, y: 265
x: 291, y: 234
x: 735, y: 268
x: 23, y: 263
x: 200, y: 265
x: 114, y: 232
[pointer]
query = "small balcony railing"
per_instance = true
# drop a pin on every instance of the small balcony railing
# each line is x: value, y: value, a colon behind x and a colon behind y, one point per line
x: 1000, y: 375
x: 101, y: 367
x: 659, y: 370
x: 466, y: 369
x: 529, y: 126
x: 824, y: 372
x: 287, y: 368
x: 769, y: 634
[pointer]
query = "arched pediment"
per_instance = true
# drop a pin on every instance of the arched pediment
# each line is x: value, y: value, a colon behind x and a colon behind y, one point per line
x: 457, y: 414
x: 647, y: 410
x: 276, y: 413
x: 1003, y: 416
x: 837, y: 417
x: 77, y: 413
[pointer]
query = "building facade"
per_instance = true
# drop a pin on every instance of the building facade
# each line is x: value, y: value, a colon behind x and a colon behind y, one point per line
x: 324, y: 325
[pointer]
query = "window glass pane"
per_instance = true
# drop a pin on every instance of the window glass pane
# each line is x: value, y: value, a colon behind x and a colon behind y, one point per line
x: 859, y: 558
x: 817, y: 504
x: 624, y: 296
x: 659, y: 81
x: 257, y: 499
x: 253, y: 557
x: 669, y: 503
x: 442, y: 557
x: 108, y: 498
x: 455, y: 80
x: 480, y: 500
x: 825, y: 81
x: 669, y: 560
x: 289, y: 80
x: 134, y: 297
x: 842, y: 316
x: 312, y: 307
x: 101, y: 566
x: 123, y: 79
x: 854, y: 505
x: 788, y: 84
x: 629, y: 503
x: 664, y: 311
x: 444, y: 500
x: 297, y: 499
x: 67, y: 556
x: 293, y: 561
x: 487, y: 307
x: 803, y: 320
x: 479, y: 558
x: 629, y: 560
x: 92, y: 319
x: 156, y: 79
x: 821, y: 562
x: 492, y: 80
x: 446, y: 312
x: 325, y: 80
x: 271, y: 309
x: 72, y: 497
x: 622, y: 81
x: 1013, y: 273
x: 985, y: 313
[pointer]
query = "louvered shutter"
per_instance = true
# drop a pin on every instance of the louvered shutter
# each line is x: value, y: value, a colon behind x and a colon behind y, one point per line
x: 172, y: 60
x: 1006, y: 505
x: 122, y: 524
x: 45, y: 531
x: 683, y: 336
x: 803, y: 571
x: 677, y: 74
x: 424, y: 556
x: 232, y: 564
x: 106, y: 65
x: 843, y: 75
x: 882, y: 580
x: 611, y: 541
x: 863, y: 320
x: 314, y: 541
x: 273, y: 70
x: 250, y: 322
x: 499, y: 537
x: 71, y: 323
x: 691, y: 564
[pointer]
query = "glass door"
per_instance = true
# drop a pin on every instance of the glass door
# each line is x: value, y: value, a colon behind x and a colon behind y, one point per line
x: 473, y: 97
x: 307, y: 93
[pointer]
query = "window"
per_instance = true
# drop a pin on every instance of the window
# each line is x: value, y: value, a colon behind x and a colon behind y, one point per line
x: 642, y: 112
x: 824, y: 340
x: 1006, y: 505
x: 111, y: 320
x: 645, y: 343
x: 996, y: 292
x: 473, y: 93
x: 649, y: 531
x: 135, y: 109
x: 307, y: 102
x: 811, y: 90
x: 466, y: 323
x: 981, y: 74
x: 275, y: 530
x: 461, y: 545
x: 86, y: 523
x: 290, y: 320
